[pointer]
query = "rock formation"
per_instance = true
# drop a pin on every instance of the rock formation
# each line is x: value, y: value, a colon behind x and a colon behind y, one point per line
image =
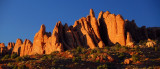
x: 40, y: 40
x: 3, y: 49
x: 26, y: 48
x: 88, y: 32
x: 17, y: 46
x: 10, y: 47
x: 53, y: 43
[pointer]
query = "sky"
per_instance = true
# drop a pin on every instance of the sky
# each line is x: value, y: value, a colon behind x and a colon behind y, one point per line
x: 23, y: 18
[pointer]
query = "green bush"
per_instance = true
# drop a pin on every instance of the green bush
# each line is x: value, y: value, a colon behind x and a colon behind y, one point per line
x: 14, y: 55
x: 121, y: 56
x: 99, y: 51
x: 95, y: 56
x: 108, y: 48
x: 22, y: 67
x: 76, y: 59
x: 135, y: 57
x: 26, y: 57
x: 102, y: 66
x: 49, y: 56
x: 44, y: 57
x: 137, y: 48
x: 6, y: 57
x: 79, y: 49
x: 93, y: 51
x: 19, y: 59
x: 15, y: 67
x: 156, y: 48
x: 117, y: 46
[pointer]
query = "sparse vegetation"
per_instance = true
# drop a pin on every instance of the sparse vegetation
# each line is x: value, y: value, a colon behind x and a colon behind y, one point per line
x: 18, y: 59
x: 6, y: 57
x: 100, y: 58
x: 14, y: 55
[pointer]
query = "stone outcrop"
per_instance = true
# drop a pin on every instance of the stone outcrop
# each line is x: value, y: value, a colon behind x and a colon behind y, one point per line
x: 26, y: 48
x: 10, y: 47
x: 115, y: 28
x: 88, y: 32
x: 3, y: 49
x: 53, y: 43
x: 17, y: 46
x: 40, y: 40
x: 129, y: 40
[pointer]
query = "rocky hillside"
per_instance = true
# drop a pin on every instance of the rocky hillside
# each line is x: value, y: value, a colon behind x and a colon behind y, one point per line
x: 88, y: 32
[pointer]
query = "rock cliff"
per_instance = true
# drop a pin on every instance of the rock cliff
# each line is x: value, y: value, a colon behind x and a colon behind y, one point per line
x: 88, y: 32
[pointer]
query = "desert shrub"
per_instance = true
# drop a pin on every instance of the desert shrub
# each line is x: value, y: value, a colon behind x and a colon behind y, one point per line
x: 44, y: 57
x: 137, y: 48
x: 121, y: 56
x: 49, y: 56
x: 99, y: 51
x: 135, y: 57
x: 15, y: 67
x: 53, y: 62
x: 76, y: 59
x: 104, y: 66
x: 155, y: 48
x: 143, y: 42
x: 108, y: 48
x: 97, y: 61
x: 54, y: 52
x: 79, y: 49
x: 10, y: 65
x: 93, y: 51
x: 14, y: 55
x: 124, y: 49
x: 95, y: 56
x: 19, y: 59
x: 26, y: 57
x: 117, y: 46
x: 22, y: 67
x: 6, y: 57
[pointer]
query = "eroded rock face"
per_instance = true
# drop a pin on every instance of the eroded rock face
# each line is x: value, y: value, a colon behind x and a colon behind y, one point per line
x: 3, y: 49
x: 2, y: 45
x: 129, y: 40
x: 26, y: 48
x: 17, y: 46
x: 40, y: 39
x: 87, y: 32
x: 53, y: 43
x: 115, y: 27
x: 10, y: 45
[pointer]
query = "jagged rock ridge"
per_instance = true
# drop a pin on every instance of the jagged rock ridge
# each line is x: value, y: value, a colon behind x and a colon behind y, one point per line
x: 88, y: 32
